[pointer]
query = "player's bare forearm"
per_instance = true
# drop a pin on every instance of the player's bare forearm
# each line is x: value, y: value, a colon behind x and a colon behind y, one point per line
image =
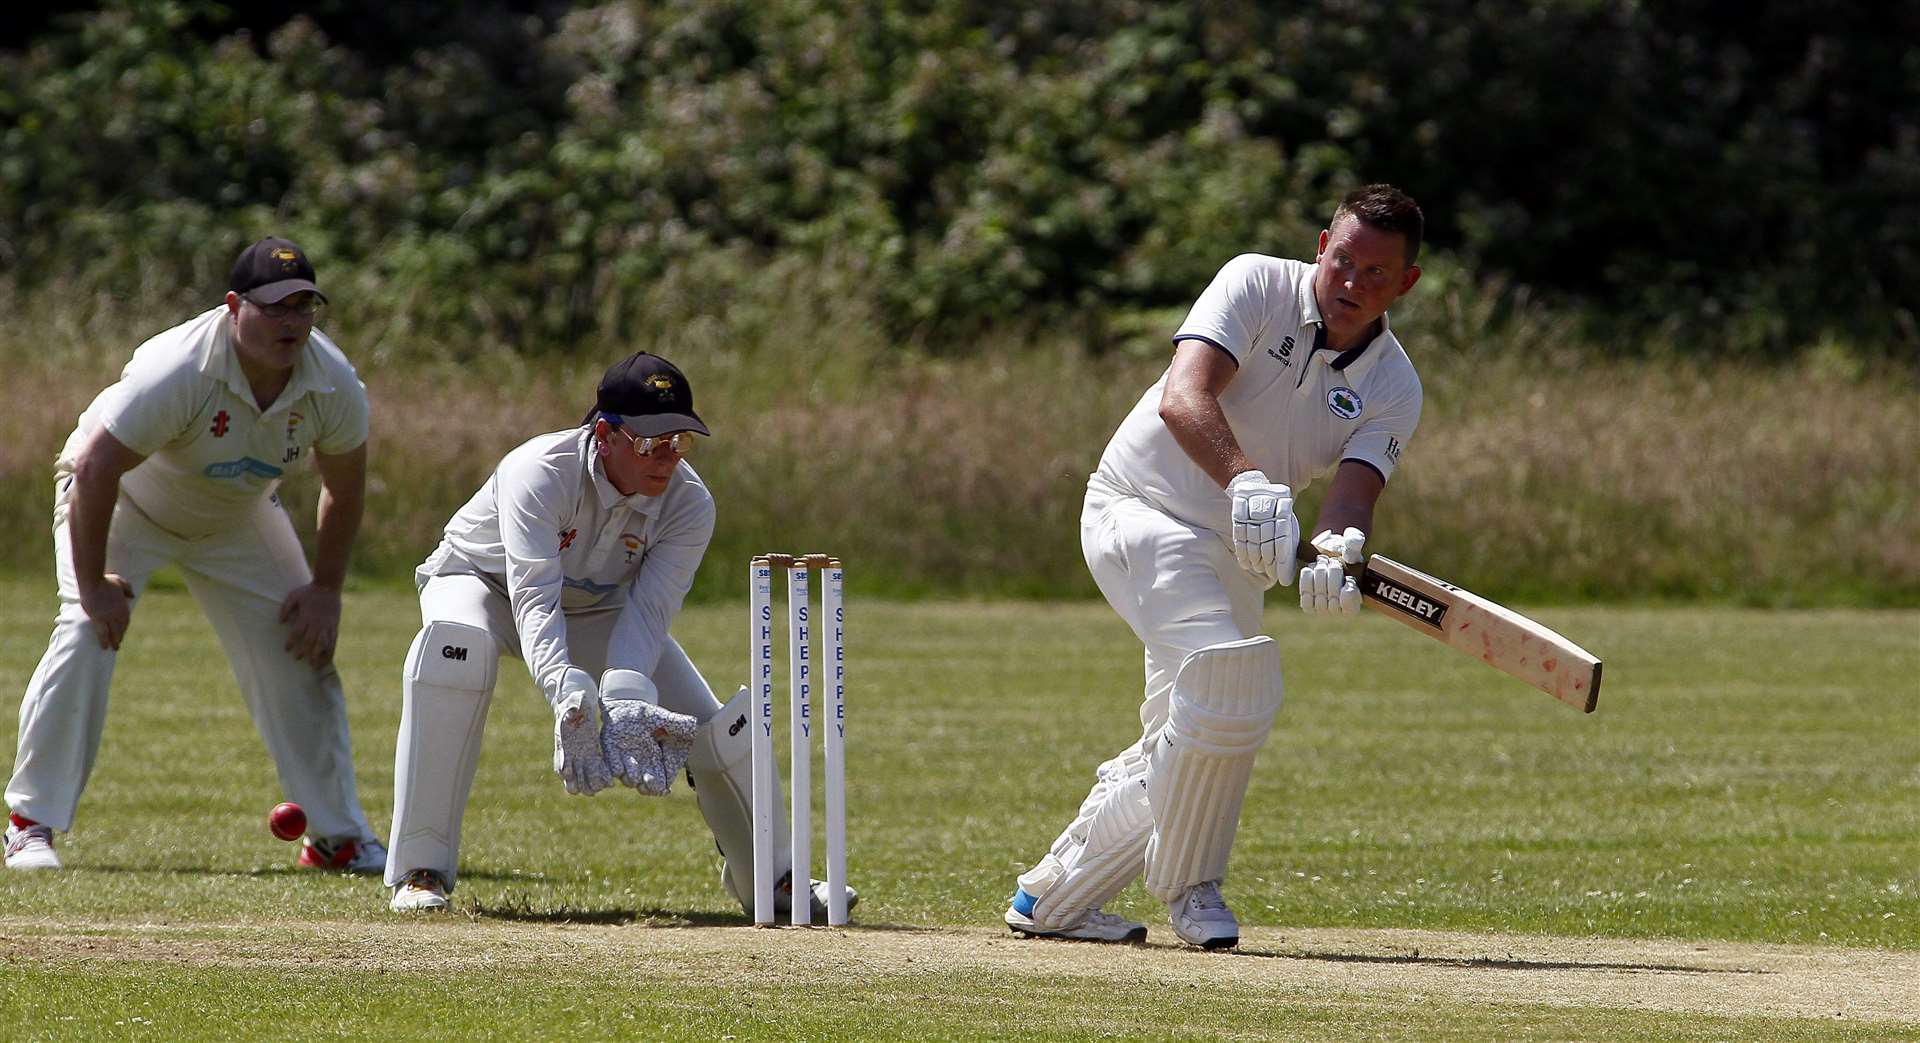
x: 1190, y: 407
x: 1349, y: 504
x: 89, y: 515
x: 96, y: 487
x: 343, y: 495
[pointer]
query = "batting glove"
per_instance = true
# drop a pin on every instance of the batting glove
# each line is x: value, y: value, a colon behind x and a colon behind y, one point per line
x: 1325, y: 587
x: 645, y: 744
x: 1264, y: 528
x: 577, y: 757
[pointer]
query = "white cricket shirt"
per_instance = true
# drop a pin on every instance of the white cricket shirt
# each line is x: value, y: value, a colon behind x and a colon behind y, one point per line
x: 211, y: 452
x: 1296, y: 411
x: 551, y: 533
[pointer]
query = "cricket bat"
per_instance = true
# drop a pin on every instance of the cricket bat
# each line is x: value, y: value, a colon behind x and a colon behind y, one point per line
x: 1497, y: 636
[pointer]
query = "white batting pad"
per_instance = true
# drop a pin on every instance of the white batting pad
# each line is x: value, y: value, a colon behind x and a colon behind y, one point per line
x: 721, y: 770
x: 1222, y: 707
x: 1100, y: 852
x: 446, y: 687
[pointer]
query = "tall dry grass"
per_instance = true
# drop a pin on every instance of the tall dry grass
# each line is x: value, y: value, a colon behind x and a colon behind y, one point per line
x: 1543, y: 469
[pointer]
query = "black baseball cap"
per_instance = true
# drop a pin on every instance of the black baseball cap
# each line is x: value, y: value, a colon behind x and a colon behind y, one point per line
x: 272, y: 270
x: 648, y: 396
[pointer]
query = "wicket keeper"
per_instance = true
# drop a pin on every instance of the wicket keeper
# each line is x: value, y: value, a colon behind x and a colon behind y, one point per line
x: 177, y: 463
x: 1282, y: 371
x: 575, y: 557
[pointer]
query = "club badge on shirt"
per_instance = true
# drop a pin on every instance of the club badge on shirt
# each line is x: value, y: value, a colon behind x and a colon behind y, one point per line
x: 1344, y: 403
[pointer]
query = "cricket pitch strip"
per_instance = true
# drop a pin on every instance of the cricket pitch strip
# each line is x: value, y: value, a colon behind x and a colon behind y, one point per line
x: 1736, y: 979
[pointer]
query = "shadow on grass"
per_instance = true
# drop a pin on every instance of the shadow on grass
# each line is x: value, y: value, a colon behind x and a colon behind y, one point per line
x: 1490, y: 963
x: 515, y: 910
x: 519, y: 910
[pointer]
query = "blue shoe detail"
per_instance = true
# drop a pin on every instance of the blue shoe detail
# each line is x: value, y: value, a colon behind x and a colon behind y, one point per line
x: 1023, y: 903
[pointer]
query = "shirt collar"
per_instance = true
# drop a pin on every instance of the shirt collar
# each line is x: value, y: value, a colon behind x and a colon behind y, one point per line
x: 218, y: 360
x: 1353, y: 361
x: 609, y: 497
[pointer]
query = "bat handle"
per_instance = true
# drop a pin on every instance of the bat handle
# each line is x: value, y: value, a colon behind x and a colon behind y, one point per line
x: 1305, y: 554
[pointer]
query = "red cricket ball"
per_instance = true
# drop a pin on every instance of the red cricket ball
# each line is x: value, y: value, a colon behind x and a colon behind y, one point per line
x: 287, y: 821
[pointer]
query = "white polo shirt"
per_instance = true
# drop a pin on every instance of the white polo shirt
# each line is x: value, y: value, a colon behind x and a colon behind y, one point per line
x: 552, y: 534
x: 1296, y: 411
x: 211, y: 452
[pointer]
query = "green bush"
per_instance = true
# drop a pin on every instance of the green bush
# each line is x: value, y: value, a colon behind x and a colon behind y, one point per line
x: 522, y: 175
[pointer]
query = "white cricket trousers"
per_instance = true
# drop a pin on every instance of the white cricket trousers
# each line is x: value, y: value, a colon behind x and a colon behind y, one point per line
x: 1180, y: 590
x: 438, y: 750
x: 239, y: 577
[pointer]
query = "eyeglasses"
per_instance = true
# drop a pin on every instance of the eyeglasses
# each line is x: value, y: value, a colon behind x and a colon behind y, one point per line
x: 306, y: 309
x: 679, y: 443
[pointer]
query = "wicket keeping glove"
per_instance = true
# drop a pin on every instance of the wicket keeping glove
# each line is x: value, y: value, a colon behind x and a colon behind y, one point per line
x: 1325, y: 587
x: 646, y: 745
x: 1264, y: 528
x: 577, y: 757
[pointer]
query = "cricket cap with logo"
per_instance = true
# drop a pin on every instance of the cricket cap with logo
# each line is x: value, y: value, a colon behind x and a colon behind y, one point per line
x: 272, y: 270
x: 649, y: 396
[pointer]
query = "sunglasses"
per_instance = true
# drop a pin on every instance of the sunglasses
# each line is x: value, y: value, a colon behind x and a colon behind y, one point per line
x: 306, y: 309
x: 679, y: 443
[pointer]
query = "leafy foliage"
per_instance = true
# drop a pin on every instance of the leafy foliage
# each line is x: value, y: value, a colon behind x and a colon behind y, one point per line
x: 522, y: 174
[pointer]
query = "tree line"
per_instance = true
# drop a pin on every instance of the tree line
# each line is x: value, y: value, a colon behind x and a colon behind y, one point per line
x: 1727, y: 179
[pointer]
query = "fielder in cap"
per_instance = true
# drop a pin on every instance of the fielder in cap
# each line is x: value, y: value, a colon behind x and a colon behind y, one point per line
x: 575, y: 557
x: 177, y: 463
x: 1282, y: 371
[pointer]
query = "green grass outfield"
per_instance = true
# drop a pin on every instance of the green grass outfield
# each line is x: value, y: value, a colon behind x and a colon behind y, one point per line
x: 1728, y: 849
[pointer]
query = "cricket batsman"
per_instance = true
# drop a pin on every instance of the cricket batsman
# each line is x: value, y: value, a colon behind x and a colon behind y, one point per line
x: 575, y: 558
x: 1282, y: 371
x: 177, y: 463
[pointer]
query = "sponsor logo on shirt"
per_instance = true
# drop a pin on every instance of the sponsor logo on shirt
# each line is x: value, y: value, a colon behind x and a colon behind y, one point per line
x: 1285, y: 354
x: 243, y: 466
x: 219, y: 427
x: 566, y: 538
x: 1393, y: 449
x: 1344, y: 402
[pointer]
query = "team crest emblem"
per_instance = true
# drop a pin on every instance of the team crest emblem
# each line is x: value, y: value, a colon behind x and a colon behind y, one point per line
x: 1344, y: 403
x: 632, y: 543
x: 662, y: 383
x: 287, y: 258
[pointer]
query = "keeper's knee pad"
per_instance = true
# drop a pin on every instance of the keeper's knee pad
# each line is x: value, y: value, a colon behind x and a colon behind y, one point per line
x: 446, y: 688
x: 721, y: 771
x: 1221, y: 709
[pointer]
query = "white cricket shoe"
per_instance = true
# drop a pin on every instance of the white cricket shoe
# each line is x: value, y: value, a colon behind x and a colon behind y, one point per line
x: 365, y: 857
x: 421, y: 892
x: 31, y: 847
x: 817, y: 896
x: 1201, y: 917
x: 1097, y: 926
